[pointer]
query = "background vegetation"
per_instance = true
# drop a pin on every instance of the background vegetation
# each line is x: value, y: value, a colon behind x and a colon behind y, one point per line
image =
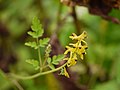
x: 100, y: 70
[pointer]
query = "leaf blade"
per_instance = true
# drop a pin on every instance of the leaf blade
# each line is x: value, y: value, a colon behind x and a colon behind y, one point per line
x: 34, y: 63
x: 32, y: 44
x: 44, y: 42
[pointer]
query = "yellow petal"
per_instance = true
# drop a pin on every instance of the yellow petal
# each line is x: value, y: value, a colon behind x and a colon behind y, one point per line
x: 71, y: 62
x: 81, y: 56
x: 65, y: 58
x: 66, y: 73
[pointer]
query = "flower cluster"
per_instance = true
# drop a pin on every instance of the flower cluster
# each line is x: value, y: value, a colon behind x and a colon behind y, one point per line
x: 75, y: 50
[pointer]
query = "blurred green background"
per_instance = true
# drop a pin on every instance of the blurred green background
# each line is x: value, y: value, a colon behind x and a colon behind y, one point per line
x: 99, y: 71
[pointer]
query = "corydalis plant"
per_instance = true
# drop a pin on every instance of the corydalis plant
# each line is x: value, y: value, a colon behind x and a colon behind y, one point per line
x: 37, y: 32
x: 75, y: 50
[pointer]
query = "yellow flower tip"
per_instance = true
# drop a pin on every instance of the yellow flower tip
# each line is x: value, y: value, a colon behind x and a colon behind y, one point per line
x: 85, y: 47
x: 81, y: 56
x: 66, y: 73
x: 80, y: 37
x: 65, y: 59
x: 72, y: 61
x: 84, y: 34
x: 74, y: 36
x: 66, y: 52
x: 74, y: 45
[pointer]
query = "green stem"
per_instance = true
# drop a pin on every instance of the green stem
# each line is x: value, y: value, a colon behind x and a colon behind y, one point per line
x: 17, y: 84
x: 38, y: 74
x: 39, y: 56
x: 45, y: 66
x: 44, y: 62
x: 11, y: 81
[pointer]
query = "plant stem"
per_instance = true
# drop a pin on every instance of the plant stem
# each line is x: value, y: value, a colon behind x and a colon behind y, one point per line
x: 39, y: 56
x: 11, y: 81
x: 76, y: 21
x: 45, y: 60
x: 17, y: 84
x: 38, y: 74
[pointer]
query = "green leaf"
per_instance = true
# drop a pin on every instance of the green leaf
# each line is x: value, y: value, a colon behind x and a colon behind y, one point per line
x: 34, y: 63
x: 35, y: 24
x: 36, y: 28
x: 33, y: 34
x: 32, y: 44
x: 51, y: 66
x: 49, y: 60
x: 61, y: 72
x: 44, y: 42
x: 56, y: 59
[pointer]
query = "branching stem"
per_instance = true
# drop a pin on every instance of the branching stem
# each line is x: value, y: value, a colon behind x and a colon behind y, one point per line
x: 38, y: 74
x: 39, y: 56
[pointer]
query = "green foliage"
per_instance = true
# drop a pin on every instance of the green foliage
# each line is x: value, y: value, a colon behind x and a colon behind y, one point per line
x: 37, y: 30
x: 55, y: 60
x: 34, y: 63
x: 51, y: 66
x: 62, y: 71
x: 32, y: 44
x: 44, y: 42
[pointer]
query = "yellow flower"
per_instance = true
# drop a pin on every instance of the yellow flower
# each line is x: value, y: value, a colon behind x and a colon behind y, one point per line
x: 72, y: 60
x: 75, y: 49
x: 81, y: 51
x: 66, y: 73
x: 80, y: 37
x: 69, y: 49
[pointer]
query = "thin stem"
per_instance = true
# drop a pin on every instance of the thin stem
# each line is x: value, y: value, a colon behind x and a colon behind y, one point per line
x: 44, y: 63
x: 45, y: 66
x: 45, y: 60
x: 17, y: 84
x: 39, y: 56
x: 38, y: 74
x: 76, y: 21
x: 12, y: 82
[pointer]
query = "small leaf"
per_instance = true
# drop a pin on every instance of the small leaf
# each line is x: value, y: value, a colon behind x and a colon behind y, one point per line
x: 33, y: 34
x: 56, y: 59
x: 32, y: 44
x: 44, y: 42
x: 49, y: 60
x: 36, y: 28
x: 51, y: 66
x: 35, y: 24
x: 34, y: 63
x: 61, y: 72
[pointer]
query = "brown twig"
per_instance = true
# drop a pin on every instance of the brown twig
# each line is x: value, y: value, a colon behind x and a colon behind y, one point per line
x: 76, y: 21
